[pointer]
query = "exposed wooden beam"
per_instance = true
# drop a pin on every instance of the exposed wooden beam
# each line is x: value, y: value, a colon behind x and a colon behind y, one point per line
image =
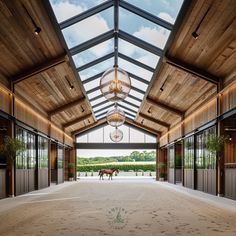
x: 66, y: 106
x: 159, y: 122
x: 77, y: 120
x: 192, y: 70
x: 39, y: 68
x: 91, y: 126
x: 140, y: 126
x: 164, y: 106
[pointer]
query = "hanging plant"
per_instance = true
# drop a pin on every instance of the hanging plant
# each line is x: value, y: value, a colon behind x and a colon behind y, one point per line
x: 12, y: 147
x: 215, y: 144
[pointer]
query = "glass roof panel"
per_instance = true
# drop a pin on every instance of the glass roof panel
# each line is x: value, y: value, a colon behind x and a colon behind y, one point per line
x: 138, y: 84
x: 67, y: 9
x: 136, y: 94
x: 94, y: 94
x: 101, y: 112
x: 165, y: 9
x: 138, y: 53
x: 96, y: 69
x: 98, y: 101
x: 102, y: 106
x: 94, y: 53
x: 143, y: 29
x: 128, y: 106
x: 100, y: 117
x: 133, y: 101
x: 131, y: 117
x: 134, y: 69
x: 126, y: 110
x: 92, y: 84
x: 88, y: 28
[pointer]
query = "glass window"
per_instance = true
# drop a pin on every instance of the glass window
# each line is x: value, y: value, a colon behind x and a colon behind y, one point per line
x: 82, y: 139
x: 134, y: 69
x: 137, y: 84
x: 102, y: 106
x: 95, y: 136
x: 138, y: 53
x: 171, y: 157
x: 42, y: 152
x: 189, y: 153
x: 135, y: 109
x: 88, y: 28
x: 66, y: 9
x: 94, y: 53
x: 60, y: 157
x: 136, y: 136
x: 166, y: 10
x: 96, y: 69
x: 93, y: 84
x: 150, y: 139
x: 143, y: 29
x: 128, y: 99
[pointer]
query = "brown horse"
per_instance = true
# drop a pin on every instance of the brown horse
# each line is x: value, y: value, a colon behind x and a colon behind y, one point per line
x: 108, y: 172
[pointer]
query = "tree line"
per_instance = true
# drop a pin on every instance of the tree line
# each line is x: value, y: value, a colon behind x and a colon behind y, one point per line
x: 135, y: 156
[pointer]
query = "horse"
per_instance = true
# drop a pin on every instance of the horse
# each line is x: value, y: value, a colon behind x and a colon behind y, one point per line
x: 108, y: 172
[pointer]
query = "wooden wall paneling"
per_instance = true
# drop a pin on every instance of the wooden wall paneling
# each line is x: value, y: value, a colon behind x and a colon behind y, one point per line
x: 4, y: 100
x: 56, y: 133
x: 175, y: 133
x: 164, y: 140
x: 229, y: 98
x: 205, y: 114
x: 27, y: 115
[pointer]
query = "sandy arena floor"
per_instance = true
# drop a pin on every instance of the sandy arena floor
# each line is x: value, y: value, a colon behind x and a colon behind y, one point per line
x: 120, y: 207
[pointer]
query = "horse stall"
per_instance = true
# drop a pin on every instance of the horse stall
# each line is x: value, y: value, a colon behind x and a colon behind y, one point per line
x: 205, y: 163
x: 189, y: 162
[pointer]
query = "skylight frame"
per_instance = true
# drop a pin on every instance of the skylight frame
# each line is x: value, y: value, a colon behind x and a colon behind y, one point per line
x: 95, y: 94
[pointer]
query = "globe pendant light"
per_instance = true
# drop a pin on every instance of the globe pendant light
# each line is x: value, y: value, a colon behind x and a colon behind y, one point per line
x: 115, y: 84
x: 115, y: 117
x: 116, y: 135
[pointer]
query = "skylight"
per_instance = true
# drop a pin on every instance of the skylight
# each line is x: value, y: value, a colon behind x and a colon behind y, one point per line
x: 143, y: 30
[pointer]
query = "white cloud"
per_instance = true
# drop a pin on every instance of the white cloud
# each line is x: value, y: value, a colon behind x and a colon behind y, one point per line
x: 165, y: 16
x: 65, y: 10
x: 156, y: 36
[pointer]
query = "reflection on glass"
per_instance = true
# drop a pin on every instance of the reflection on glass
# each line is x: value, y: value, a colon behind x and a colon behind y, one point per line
x: 166, y: 10
x: 134, y: 69
x: 143, y: 29
x: 93, y: 53
x: 96, y: 69
x: 138, y: 53
x: 66, y: 9
x: 92, y: 84
x: 88, y: 28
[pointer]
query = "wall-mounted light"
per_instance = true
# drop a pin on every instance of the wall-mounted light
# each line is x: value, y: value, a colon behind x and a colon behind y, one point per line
x: 37, y: 29
x: 89, y: 121
x: 82, y: 109
x: 71, y: 86
x: 230, y: 137
x: 142, y: 121
x: 195, y: 34
x: 162, y: 87
x: 150, y: 110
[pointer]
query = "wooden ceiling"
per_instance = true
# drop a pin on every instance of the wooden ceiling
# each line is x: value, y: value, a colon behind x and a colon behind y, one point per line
x: 42, y: 72
x: 212, y: 56
x: 38, y: 65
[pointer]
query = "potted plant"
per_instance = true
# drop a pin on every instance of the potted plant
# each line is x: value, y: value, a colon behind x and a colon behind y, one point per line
x: 215, y: 144
x: 71, y: 171
x: 71, y: 176
x: 162, y: 176
x: 11, y: 148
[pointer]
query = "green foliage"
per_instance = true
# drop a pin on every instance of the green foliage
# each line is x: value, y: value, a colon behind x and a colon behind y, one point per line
x: 150, y: 173
x: 12, y: 147
x: 178, y: 160
x: 71, y: 165
x: 134, y: 157
x: 121, y: 167
x: 162, y: 175
x: 215, y: 144
x: 71, y: 175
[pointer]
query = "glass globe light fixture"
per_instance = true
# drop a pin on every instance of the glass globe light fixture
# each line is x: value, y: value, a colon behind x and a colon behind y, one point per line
x: 115, y: 84
x: 116, y: 135
x: 115, y: 117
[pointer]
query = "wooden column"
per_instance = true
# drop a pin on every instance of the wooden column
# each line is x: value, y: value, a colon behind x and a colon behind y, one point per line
x: 11, y: 163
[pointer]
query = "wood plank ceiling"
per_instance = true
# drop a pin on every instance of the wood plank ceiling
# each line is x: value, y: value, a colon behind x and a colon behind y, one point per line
x: 174, y: 90
x: 212, y: 53
x: 38, y: 63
